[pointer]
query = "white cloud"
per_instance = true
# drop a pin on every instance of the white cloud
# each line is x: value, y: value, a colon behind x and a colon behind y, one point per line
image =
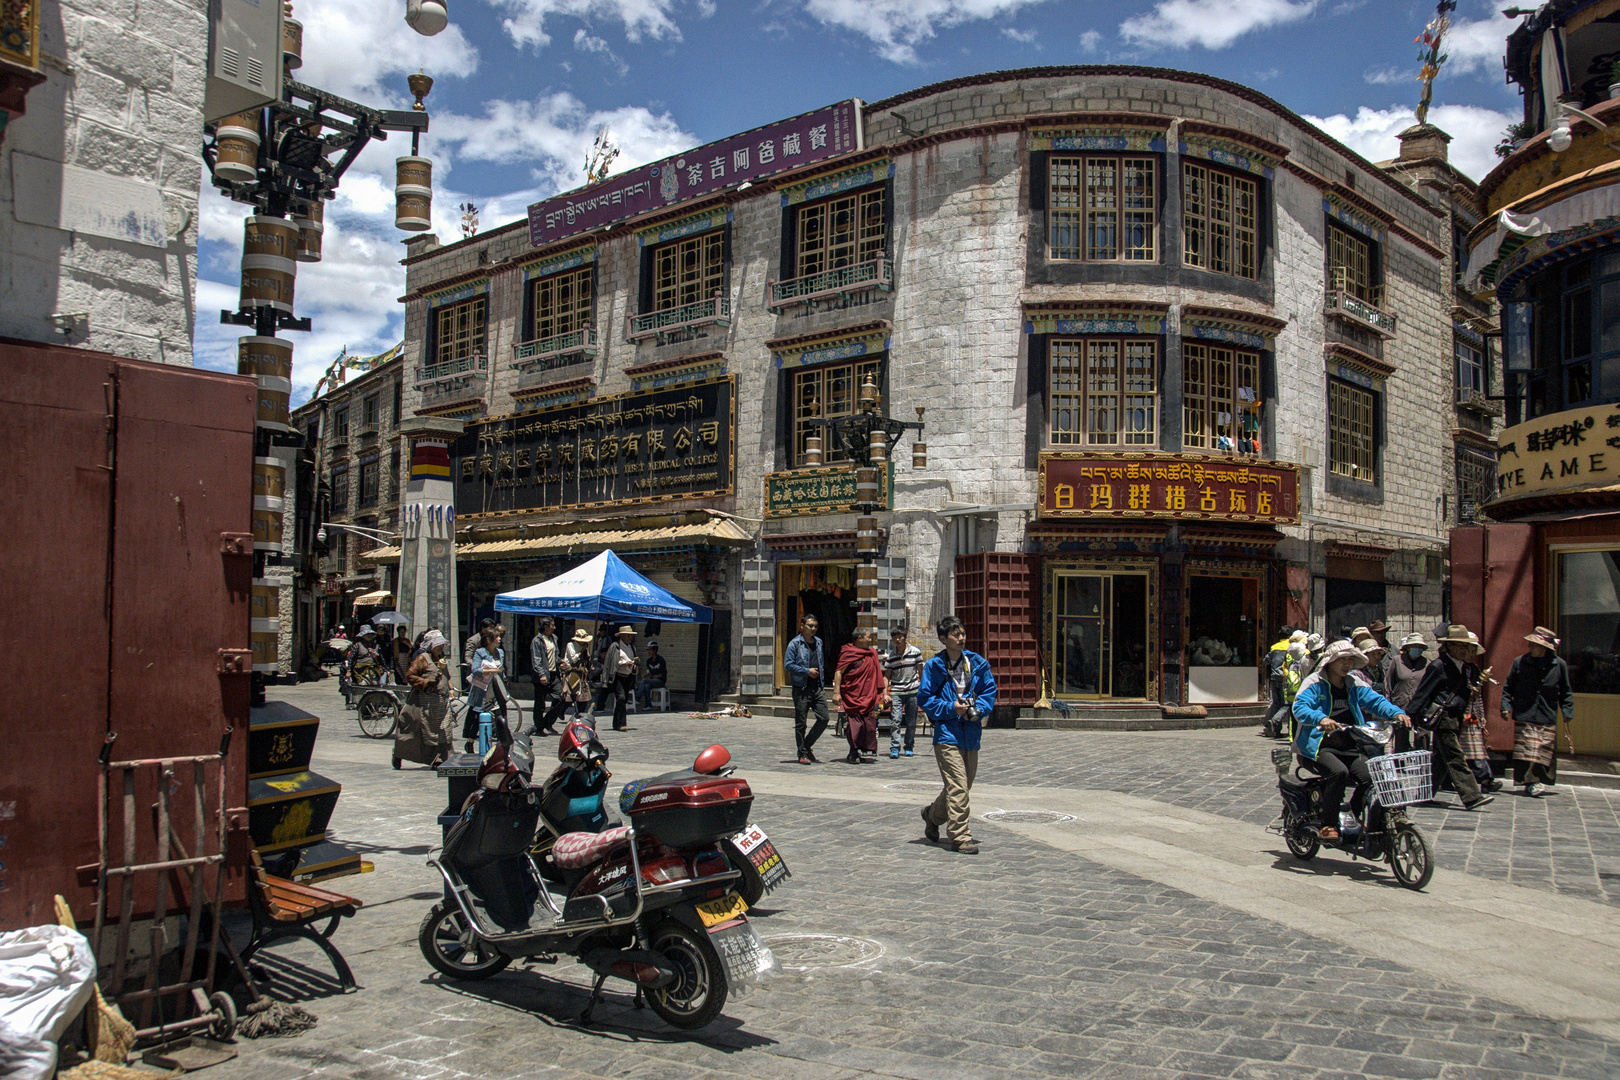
x: 588, y: 43
x: 1477, y: 46
x: 1023, y: 37
x: 1090, y: 41
x: 896, y: 27
x: 362, y: 50
x: 1214, y: 24
x: 1371, y: 132
x: 640, y: 18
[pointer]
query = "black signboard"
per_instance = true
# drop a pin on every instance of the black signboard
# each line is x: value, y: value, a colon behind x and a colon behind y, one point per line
x: 674, y: 443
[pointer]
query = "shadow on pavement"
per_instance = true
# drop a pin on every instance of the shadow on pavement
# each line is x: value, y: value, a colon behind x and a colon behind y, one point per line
x: 1344, y: 866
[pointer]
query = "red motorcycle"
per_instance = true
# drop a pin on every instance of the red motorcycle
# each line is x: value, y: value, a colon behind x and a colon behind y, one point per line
x: 654, y: 902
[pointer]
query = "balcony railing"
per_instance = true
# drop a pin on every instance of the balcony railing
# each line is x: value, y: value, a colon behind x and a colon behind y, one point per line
x: 715, y: 311
x: 1343, y: 298
x: 467, y: 369
x: 812, y: 289
x: 557, y: 351
x: 1476, y: 401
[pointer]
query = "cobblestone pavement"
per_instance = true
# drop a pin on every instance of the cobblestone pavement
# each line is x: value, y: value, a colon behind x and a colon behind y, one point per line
x: 906, y: 960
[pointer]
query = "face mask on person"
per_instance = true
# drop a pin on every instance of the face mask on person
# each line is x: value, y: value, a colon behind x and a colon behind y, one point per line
x: 1414, y: 653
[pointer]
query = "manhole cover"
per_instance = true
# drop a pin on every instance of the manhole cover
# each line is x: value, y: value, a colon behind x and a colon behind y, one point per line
x: 799, y: 952
x: 913, y: 785
x: 1028, y: 817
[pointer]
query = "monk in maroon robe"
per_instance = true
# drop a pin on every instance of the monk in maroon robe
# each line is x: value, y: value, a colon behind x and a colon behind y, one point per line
x: 859, y: 691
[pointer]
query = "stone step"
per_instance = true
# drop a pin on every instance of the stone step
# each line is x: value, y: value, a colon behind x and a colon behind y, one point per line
x: 1145, y: 717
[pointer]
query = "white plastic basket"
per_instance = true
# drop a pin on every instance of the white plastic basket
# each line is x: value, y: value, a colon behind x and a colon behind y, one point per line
x: 1400, y: 779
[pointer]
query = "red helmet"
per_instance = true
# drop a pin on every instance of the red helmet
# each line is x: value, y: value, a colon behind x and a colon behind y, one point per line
x: 579, y: 745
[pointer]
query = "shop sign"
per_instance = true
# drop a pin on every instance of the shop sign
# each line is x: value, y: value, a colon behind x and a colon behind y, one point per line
x: 1563, y: 451
x: 1197, y: 487
x: 748, y: 157
x: 332, y: 587
x: 628, y: 449
x: 830, y: 490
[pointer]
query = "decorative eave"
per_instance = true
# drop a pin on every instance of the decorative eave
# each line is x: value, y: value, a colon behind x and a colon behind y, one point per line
x: 679, y: 369
x: 1364, y: 362
x: 1476, y: 439
x: 858, y: 330
x: 532, y: 396
x: 1250, y: 328
x: 1147, y: 306
x: 465, y: 407
x: 846, y: 177
x: 1348, y: 549
x: 1257, y: 535
x: 660, y: 367
x: 1265, y: 147
x: 842, y: 540
x: 850, y: 343
x: 1095, y: 317
x: 1604, y: 498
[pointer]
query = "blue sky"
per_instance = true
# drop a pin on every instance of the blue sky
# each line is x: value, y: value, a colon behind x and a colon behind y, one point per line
x: 523, y: 85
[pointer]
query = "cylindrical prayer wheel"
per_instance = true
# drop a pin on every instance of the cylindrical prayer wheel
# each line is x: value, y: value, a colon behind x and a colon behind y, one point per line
x: 413, y: 193
x: 292, y: 43
x: 269, y: 360
x: 237, y: 147
x: 310, y: 230
x: 866, y: 582
x: 812, y: 449
x: 268, y: 269
x: 265, y: 625
x: 866, y: 620
x: 877, y: 447
x: 866, y: 485
x: 269, y: 478
x: 866, y: 535
x: 267, y: 514
x: 919, y: 455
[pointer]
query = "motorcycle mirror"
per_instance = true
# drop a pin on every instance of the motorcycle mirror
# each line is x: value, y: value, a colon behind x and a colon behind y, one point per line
x: 712, y: 760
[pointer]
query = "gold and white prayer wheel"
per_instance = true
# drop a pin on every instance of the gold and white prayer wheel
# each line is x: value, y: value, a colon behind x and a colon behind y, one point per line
x: 311, y: 227
x: 866, y: 582
x: 292, y: 43
x: 265, y: 625
x: 269, y: 360
x: 236, y: 152
x: 866, y: 620
x: 267, y: 512
x: 919, y: 455
x: 869, y: 395
x: 413, y: 193
x: 877, y: 447
x: 269, y: 478
x: 866, y: 535
x: 812, y: 449
x: 268, y: 270
x: 866, y: 485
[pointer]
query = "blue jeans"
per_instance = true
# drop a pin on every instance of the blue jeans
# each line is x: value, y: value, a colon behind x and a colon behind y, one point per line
x: 645, y: 687
x: 903, y: 712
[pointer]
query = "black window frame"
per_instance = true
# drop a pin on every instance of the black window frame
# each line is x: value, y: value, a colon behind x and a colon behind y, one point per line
x: 647, y: 278
x: 1344, y: 484
x: 787, y: 421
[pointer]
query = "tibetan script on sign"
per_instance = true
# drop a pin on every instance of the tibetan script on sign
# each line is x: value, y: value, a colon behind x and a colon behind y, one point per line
x: 1181, y: 486
x: 831, y: 490
x: 674, y: 443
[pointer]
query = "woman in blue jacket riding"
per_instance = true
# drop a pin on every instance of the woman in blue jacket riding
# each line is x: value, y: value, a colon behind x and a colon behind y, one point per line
x: 1328, y: 704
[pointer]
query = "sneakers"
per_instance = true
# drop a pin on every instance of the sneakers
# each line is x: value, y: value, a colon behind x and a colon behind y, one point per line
x: 1533, y: 790
x: 930, y: 830
x: 813, y: 759
x: 965, y: 847
x: 1483, y: 800
x: 911, y: 753
x: 894, y: 752
x: 804, y: 759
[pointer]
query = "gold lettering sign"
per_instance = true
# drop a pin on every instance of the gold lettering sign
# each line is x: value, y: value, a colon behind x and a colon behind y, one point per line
x: 1567, y: 451
x: 1082, y: 484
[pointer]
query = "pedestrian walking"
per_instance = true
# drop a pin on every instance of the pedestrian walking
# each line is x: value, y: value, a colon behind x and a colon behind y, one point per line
x: 575, y: 669
x: 657, y: 677
x: 1277, y: 680
x: 1378, y: 629
x: 805, y: 666
x: 858, y: 691
x: 545, y: 661
x: 1472, y: 735
x: 1440, y: 702
x: 1370, y: 674
x: 619, y: 669
x: 903, y: 667
x: 1401, y: 678
x: 424, y: 734
x: 1536, y: 692
x: 958, y: 692
x: 488, y: 661
x: 471, y: 646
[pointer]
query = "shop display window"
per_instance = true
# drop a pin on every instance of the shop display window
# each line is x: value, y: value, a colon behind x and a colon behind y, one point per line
x: 1099, y: 635
x: 1222, y: 639
x: 1588, y: 593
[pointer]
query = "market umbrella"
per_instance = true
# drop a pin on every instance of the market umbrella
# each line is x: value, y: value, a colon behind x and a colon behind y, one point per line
x: 604, y: 589
x: 389, y: 618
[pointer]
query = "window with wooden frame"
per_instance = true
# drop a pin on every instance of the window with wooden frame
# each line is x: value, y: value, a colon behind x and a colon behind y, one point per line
x: 828, y: 391
x: 1470, y: 365
x: 368, y: 411
x: 1220, y: 212
x: 842, y: 231
x: 369, y: 474
x: 1220, y: 398
x: 460, y: 333
x: 561, y: 303
x: 1102, y: 209
x: 340, y: 489
x: 1350, y: 265
x: 1103, y: 392
x: 340, y: 424
x: 689, y: 270
x: 1352, y: 432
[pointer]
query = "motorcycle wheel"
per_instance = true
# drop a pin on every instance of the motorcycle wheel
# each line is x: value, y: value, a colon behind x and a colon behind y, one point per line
x: 1410, y: 857
x: 750, y: 886
x: 698, y: 993
x: 445, y: 945
x: 379, y: 713
x: 1303, y: 843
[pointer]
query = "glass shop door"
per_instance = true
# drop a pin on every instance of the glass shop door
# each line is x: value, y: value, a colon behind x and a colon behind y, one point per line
x: 1099, y: 635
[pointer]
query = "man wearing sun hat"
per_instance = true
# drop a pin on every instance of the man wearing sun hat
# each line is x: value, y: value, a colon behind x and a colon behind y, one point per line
x: 1439, y: 704
x: 619, y: 673
x: 1536, y: 691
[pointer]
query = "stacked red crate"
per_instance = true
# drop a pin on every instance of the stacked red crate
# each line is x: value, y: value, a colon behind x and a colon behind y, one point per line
x: 997, y: 600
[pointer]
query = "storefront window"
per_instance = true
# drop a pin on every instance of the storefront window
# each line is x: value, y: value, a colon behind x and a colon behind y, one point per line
x: 1588, y: 584
x: 1100, y: 635
x: 1222, y: 640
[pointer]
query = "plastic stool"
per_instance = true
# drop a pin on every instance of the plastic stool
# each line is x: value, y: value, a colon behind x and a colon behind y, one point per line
x: 658, y: 698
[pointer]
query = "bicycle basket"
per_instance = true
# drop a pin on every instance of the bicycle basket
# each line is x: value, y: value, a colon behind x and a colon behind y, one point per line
x: 1401, y: 779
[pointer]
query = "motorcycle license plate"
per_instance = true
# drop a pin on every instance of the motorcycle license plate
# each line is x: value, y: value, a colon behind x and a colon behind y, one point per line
x: 725, y: 909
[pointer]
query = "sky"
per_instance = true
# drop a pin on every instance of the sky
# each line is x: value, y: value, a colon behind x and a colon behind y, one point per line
x: 522, y: 86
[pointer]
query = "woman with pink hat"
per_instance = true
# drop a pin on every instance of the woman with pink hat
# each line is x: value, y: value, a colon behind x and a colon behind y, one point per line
x: 1536, y: 692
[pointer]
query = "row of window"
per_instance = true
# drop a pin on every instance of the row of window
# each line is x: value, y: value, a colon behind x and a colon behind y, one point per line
x: 370, y: 482
x: 370, y: 413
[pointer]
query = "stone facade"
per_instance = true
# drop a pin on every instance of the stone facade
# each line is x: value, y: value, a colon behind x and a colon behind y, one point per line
x: 967, y: 235
x: 99, y: 181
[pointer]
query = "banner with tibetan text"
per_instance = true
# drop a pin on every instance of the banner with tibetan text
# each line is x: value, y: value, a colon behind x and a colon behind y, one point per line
x: 1211, y: 487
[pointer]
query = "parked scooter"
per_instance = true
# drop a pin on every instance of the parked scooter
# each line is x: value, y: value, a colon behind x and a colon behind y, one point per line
x: 1375, y: 826
x: 654, y: 902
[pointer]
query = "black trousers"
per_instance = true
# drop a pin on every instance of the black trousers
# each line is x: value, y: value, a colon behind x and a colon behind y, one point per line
x: 622, y: 687
x: 1338, y: 768
x: 550, y: 694
x: 1448, y: 755
x: 807, y: 699
x: 1277, y: 716
x: 490, y: 700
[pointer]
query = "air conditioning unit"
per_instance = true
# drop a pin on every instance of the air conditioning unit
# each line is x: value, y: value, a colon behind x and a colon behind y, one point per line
x: 244, y: 56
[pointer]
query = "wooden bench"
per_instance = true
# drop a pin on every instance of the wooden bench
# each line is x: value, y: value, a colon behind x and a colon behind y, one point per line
x: 286, y: 909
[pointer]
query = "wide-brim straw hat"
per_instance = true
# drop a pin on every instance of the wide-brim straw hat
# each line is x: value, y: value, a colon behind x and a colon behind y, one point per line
x: 1369, y: 645
x: 626, y: 630
x: 1378, y: 626
x: 582, y: 636
x: 1473, y: 639
x: 1458, y: 633
x: 1313, y: 642
x: 1543, y: 637
x: 1414, y: 639
x: 1341, y: 649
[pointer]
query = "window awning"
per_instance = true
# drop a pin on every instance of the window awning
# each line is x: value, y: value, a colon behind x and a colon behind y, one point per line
x: 374, y: 599
x: 718, y: 532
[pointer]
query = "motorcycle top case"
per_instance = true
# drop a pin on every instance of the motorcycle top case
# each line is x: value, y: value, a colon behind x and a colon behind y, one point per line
x: 684, y: 809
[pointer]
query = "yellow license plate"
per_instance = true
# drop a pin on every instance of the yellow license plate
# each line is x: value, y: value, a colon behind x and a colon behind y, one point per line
x: 715, y: 912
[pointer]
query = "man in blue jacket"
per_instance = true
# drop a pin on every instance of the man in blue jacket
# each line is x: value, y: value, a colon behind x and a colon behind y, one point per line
x: 958, y: 693
x: 806, y: 667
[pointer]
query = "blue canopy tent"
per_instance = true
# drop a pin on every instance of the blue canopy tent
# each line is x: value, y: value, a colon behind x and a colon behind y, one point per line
x: 604, y: 589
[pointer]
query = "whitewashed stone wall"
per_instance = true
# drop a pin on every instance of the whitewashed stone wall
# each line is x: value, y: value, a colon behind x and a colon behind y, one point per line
x: 118, y: 126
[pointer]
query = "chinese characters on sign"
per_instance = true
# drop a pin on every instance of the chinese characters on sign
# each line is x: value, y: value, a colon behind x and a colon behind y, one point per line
x: 1559, y: 452
x: 664, y: 444
x: 831, y: 490
x: 774, y: 148
x: 1083, y: 485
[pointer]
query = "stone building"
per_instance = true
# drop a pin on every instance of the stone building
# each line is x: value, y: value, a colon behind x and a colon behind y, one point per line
x: 1187, y: 366
x: 101, y: 119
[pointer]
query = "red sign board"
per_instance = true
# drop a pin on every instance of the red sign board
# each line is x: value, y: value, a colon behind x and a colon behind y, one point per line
x: 1197, y: 487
